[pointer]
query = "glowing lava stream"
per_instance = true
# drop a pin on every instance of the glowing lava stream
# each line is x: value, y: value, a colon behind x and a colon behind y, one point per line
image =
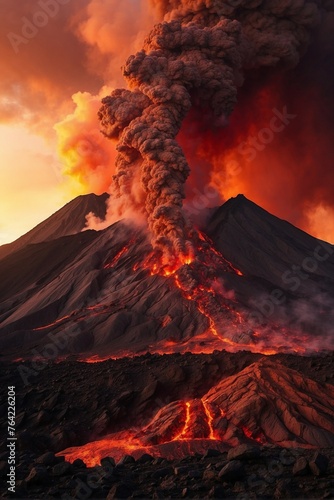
x: 119, y: 254
x: 82, y: 314
x: 130, y: 442
x: 208, y: 298
x: 183, y: 433
x: 209, y: 419
x: 116, y: 258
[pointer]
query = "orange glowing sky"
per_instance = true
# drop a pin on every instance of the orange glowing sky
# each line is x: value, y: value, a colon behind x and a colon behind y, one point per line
x: 52, y: 79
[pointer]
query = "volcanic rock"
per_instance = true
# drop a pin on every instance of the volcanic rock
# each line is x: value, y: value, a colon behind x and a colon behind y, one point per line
x: 80, y: 464
x: 145, y: 458
x: 127, y: 459
x: 37, y: 475
x: 119, y: 491
x: 278, y: 404
x: 48, y: 458
x: 211, y: 453
x: 243, y: 452
x: 318, y: 464
x: 109, y: 461
x: 283, y: 489
x: 208, y: 475
x: 162, y: 472
x: 301, y: 467
x: 181, y: 470
x: 233, y: 471
x: 217, y: 492
x: 62, y: 469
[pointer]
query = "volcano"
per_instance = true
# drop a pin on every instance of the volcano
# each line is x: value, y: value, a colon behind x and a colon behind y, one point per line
x: 258, y: 284
x: 227, y: 356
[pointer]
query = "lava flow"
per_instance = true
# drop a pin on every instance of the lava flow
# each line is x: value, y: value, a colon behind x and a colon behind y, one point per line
x: 200, y: 280
x: 185, y: 422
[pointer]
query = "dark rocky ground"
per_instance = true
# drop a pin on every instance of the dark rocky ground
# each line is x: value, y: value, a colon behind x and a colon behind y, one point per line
x: 263, y: 473
x: 71, y: 403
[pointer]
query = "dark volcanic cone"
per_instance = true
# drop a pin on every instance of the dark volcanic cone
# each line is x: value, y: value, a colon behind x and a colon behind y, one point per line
x: 70, y: 219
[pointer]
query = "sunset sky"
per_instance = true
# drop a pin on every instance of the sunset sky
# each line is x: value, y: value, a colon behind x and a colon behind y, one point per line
x: 58, y: 58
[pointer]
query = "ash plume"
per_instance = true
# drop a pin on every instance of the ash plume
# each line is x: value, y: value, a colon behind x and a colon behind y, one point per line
x: 195, y: 57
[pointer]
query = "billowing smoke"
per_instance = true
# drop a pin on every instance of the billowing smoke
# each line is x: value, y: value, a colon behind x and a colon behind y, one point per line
x: 196, y: 58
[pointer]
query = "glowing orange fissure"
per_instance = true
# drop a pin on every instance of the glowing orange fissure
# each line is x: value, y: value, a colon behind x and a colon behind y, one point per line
x: 128, y: 442
x: 119, y: 254
x: 210, y: 419
x: 81, y: 315
x: 183, y: 433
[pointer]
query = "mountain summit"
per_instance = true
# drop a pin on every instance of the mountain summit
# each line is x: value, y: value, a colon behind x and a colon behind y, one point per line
x: 70, y: 219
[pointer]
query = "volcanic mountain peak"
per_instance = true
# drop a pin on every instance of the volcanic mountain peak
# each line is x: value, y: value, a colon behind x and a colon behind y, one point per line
x: 70, y: 219
x: 268, y: 247
x: 103, y: 290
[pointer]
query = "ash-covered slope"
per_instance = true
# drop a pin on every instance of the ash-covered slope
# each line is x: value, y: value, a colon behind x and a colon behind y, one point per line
x: 68, y: 220
x: 97, y: 292
x: 84, y: 288
x: 272, y: 249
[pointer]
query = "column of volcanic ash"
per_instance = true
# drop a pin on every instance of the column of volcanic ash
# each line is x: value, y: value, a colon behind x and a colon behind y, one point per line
x: 196, y: 55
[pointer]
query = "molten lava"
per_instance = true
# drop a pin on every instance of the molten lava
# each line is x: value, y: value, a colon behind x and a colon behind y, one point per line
x: 116, y: 258
x: 266, y: 402
x: 196, y: 420
x: 119, y: 255
x: 193, y: 421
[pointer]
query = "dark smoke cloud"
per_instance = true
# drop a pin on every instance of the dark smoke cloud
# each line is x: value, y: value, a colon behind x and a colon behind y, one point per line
x: 196, y: 56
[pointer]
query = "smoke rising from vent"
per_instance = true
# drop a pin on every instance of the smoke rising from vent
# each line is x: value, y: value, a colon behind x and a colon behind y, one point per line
x: 196, y: 58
